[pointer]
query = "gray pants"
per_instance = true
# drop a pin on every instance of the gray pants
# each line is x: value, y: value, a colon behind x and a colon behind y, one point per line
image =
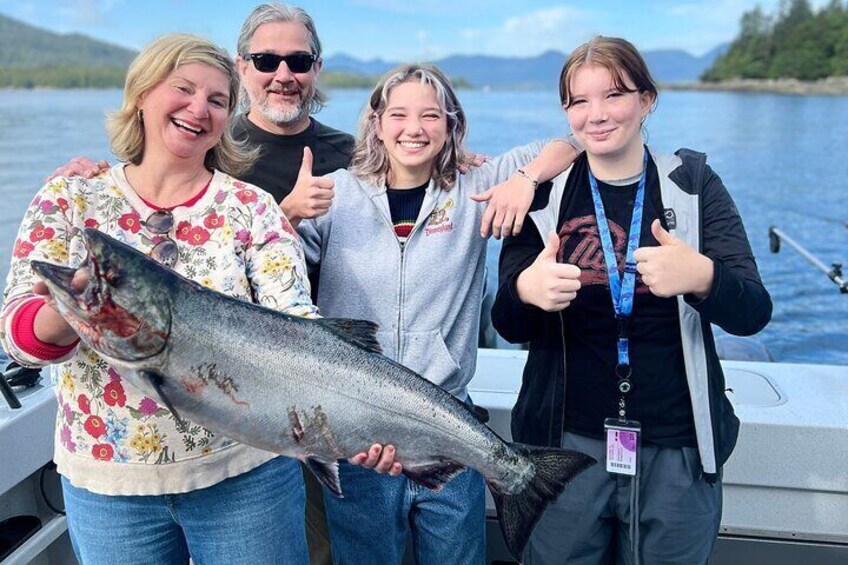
x: 589, y: 524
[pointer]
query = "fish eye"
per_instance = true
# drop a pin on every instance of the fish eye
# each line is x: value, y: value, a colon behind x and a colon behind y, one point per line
x: 112, y: 277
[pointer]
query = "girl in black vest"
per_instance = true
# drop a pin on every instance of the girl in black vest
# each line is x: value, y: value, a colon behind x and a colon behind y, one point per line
x: 630, y: 256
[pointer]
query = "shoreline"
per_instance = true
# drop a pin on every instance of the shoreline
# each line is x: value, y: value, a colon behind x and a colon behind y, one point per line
x: 830, y: 86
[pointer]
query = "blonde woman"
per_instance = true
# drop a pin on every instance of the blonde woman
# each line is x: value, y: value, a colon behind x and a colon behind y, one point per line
x: 139, y: 486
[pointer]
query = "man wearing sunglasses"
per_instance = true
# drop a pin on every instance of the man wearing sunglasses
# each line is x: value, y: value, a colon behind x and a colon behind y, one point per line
x: 279, y: 58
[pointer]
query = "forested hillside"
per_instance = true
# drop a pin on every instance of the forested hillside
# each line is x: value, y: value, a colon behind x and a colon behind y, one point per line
x: 794, y: 42
x: 30, y: 57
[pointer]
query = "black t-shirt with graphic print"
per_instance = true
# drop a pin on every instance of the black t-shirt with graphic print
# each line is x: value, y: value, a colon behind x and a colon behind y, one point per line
x: 659, y: 399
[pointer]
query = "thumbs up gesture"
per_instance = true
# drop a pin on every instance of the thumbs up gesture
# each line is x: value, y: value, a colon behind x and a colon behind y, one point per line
x: 546, y: 283
x: 311, y: 196
x: 673, y: 268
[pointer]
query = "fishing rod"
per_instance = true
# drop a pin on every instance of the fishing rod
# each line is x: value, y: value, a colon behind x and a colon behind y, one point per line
x: 834, y: 273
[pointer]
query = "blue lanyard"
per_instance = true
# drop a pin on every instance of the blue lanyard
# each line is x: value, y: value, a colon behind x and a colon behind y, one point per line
x: 621, y: 287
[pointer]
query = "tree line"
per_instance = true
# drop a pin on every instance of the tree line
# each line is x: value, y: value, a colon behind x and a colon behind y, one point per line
x: 113, y: 77
x: 794, y: 42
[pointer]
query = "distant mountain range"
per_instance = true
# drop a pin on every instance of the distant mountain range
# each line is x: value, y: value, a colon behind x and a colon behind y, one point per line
x: 667, y: 66
x: 26, y: 51
x: 23, y: 45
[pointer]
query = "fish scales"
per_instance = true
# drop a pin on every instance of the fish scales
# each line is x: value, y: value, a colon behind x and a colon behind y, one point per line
x: 317, y: 390
x: 281, y: 371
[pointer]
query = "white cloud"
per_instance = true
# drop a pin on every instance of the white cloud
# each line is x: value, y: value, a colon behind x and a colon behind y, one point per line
x: 81, y: 14
x: 450, y: 8
x: 561, y: 28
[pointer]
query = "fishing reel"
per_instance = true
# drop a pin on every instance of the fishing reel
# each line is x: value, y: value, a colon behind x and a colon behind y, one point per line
x: 16, y: 376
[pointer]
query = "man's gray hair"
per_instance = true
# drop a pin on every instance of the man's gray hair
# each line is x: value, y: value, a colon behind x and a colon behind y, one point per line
x: 283, y: 13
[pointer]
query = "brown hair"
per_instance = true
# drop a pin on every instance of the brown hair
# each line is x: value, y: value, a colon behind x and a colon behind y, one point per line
x: 616, y: 55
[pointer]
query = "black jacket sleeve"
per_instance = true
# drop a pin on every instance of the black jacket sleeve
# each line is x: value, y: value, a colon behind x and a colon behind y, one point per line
x: 738, y: 302
x: 515, y: 321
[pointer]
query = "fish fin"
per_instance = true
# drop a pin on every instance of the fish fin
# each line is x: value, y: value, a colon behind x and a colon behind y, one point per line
x: 328, y: 473
x: 478, y: 412
x: 361, y: 332
x: 518, y: 513
x: 434, y: 475
x: 156, y: 380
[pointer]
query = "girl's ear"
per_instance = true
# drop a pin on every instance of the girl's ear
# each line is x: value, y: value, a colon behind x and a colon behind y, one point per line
x: 647, y: 100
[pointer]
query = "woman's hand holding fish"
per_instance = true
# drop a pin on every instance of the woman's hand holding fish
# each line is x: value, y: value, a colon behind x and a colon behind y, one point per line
x: 49, y: 326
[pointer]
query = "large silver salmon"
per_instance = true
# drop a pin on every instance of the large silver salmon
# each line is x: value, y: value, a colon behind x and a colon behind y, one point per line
x: 317, y: 390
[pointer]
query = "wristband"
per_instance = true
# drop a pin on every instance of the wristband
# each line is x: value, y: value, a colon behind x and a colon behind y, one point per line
x: 533, y: 181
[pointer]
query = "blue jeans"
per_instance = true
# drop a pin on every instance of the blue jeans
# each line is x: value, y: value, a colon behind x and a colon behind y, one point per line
x: 369, y: 525
x: 253, y: 518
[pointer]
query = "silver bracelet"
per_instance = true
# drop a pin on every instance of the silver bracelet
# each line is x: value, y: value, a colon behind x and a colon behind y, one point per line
x: 533, y: 181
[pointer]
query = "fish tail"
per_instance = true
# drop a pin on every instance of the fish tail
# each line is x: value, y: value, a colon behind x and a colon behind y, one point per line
x: 519, y: 512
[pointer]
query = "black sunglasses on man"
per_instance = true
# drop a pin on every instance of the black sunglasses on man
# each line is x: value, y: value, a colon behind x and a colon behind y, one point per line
x: 270, y: 62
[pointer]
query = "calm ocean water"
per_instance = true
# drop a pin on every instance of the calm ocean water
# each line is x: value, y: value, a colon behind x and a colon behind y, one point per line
x: 782, y: 158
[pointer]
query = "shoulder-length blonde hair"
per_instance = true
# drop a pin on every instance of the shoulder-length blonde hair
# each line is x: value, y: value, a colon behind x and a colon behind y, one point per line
x: 159, y: 59
x: 370, y: 159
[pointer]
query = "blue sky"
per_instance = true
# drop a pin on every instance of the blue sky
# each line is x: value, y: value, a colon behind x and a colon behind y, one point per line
x: 398, y: 30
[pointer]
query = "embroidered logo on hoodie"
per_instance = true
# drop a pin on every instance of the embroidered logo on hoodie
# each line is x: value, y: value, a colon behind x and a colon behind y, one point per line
x: 439, y: 220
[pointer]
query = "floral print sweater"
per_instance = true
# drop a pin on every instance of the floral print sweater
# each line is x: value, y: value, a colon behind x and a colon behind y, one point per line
x: 110, y: 437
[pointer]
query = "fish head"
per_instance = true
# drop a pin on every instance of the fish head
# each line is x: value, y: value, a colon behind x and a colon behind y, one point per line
x: 114, y: 300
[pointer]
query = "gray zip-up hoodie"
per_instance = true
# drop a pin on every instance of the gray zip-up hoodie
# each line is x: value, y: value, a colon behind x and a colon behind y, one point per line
x: 425, y: 297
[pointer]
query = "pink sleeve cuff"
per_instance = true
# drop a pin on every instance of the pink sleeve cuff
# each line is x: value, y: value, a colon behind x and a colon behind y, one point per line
x: 23, y: 332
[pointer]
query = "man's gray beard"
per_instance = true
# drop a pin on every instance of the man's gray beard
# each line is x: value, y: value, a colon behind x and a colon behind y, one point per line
x: 288, y: 116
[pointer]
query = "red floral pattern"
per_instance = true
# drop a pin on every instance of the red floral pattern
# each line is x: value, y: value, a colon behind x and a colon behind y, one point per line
x: 197, y: 236
x: 130, y: 222
x: 94, y: 426
x: 213, y: 221
x: 183, y: 229
x: 246, y: 196
x: 102, y: 451
x: 41, y: 233
x: 22, y: 249
x: 100, y: 414
x: 114, y: 395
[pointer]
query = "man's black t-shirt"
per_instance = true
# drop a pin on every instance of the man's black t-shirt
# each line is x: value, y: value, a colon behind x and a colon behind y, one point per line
x: 279, y: 162
x: 659, y: 399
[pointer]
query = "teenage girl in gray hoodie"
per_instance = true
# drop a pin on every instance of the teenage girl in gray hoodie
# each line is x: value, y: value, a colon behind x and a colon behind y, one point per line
x: 401, y: 246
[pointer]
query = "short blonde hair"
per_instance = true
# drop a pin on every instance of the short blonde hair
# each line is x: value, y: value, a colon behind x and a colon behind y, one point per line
x: 153, y: 65
x: 370, y: 159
